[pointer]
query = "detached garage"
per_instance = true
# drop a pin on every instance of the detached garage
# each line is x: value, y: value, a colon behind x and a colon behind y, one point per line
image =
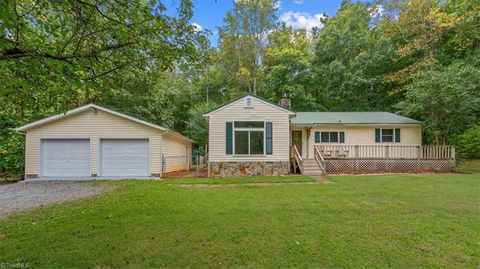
x: 92, y: 141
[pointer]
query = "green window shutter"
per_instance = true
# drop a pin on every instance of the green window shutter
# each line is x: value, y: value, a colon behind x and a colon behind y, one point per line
x: 317, y: 137
x: 377, y: 136
x: 342, y: 137
x: 269, y: 138
x: 397, y: 135
x: 229, y: 138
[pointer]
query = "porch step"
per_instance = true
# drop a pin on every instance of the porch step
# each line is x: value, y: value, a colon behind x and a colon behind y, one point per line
x: 311, y: 168
x: 316, y: 173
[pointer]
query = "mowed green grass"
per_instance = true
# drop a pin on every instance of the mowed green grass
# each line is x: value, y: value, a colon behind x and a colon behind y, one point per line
x: 393, y: 221
x: 241, y: 180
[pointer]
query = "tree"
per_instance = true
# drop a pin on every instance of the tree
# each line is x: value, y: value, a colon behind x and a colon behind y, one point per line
x: 242, y: 42
x: 197, y: 126
x: 351, y: 61
x: 446, y: 99
x: 287, y: 69
x: 417, y: 31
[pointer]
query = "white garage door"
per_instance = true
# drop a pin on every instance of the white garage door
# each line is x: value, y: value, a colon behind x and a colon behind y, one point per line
x: 124, y: 157
x: 65, y: 158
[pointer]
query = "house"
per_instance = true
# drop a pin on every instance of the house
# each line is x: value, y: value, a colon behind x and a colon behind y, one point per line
x: 249, y: 136
x: 93, y: 141
x: 252, y: 136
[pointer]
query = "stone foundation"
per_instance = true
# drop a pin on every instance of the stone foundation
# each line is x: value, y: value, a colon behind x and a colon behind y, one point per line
x: 248, y: 169
x: 31, y: 176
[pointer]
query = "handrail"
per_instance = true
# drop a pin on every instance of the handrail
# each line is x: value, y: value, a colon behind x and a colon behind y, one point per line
x: 386, y: 152
x: 298, y: 158
x: 318, y: 156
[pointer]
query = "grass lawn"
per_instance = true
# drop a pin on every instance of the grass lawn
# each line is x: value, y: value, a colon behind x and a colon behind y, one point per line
x: 470, y: 167
x: 395, y: 221
x: 215, y: 181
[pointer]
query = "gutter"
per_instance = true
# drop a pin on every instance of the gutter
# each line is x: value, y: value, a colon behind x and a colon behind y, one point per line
x: 352, y: 124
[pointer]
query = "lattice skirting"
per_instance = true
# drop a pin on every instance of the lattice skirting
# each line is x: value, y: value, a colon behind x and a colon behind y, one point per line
x: 366, y: 166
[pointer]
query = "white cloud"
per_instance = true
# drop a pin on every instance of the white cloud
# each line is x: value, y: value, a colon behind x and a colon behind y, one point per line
x: 302, y: 20
x: 298, y: 2
x: 197, y: 27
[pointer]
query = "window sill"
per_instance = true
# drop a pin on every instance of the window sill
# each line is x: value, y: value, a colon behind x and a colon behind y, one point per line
x: 250, y: 155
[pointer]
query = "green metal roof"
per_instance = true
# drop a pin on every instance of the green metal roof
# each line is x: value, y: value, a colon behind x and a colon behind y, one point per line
x: 312, y: 118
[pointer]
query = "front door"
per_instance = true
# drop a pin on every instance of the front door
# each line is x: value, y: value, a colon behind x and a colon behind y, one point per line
x: 297, y: 140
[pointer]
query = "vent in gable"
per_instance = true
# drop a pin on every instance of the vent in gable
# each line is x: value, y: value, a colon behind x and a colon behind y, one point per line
x: 248, y: 102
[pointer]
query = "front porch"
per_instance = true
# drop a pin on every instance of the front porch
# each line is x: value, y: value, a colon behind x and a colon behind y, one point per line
x: 360, y: 159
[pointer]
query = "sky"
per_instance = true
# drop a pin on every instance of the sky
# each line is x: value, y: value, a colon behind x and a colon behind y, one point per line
x: 208, y: 14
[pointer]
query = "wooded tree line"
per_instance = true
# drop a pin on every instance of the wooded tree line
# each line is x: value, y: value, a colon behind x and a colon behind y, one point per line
x: 417, y: 57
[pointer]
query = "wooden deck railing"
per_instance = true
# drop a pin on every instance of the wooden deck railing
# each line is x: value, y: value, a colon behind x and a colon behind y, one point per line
x: 318, y: 156
x: 298, y: 158
x: 386, y: 152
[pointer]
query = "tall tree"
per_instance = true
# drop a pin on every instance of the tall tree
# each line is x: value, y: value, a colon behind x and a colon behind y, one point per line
x: 243, y: 40
x: 446, y: 99
x: 287, y: 68
x: 352, y: 58
x: 417, y: 31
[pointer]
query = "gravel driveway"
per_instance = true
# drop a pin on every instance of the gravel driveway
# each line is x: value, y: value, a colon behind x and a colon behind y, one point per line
x: 31, y: 194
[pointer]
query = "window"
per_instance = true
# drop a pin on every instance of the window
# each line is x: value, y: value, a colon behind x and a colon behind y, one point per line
x: 249, y: 137
x: 387, y: 135
x: 329, y: 137
x: 241, y: 142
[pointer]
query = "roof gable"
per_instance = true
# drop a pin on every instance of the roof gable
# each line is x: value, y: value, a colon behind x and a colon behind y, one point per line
x: 313, y: 118
x: 257, y: 98
x: 93, y: 106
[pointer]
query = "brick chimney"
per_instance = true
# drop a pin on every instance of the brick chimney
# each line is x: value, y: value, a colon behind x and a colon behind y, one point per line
x: 285, y: 102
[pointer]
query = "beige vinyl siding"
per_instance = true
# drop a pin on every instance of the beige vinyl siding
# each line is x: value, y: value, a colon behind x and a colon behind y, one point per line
x: 410, y: 135
x: 175, y: 153
x: 94, y: 125
x: 261, y: 111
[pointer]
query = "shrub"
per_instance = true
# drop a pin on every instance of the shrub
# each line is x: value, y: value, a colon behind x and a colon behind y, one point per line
x: 11, y: 154
x: 468, y: 143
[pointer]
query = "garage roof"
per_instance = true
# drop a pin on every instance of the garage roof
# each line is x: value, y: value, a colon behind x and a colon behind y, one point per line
x: 26, y: 127
x: 312, y: 118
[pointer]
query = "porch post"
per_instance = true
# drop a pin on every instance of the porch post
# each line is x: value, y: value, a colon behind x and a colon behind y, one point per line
x: 306, y: 145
